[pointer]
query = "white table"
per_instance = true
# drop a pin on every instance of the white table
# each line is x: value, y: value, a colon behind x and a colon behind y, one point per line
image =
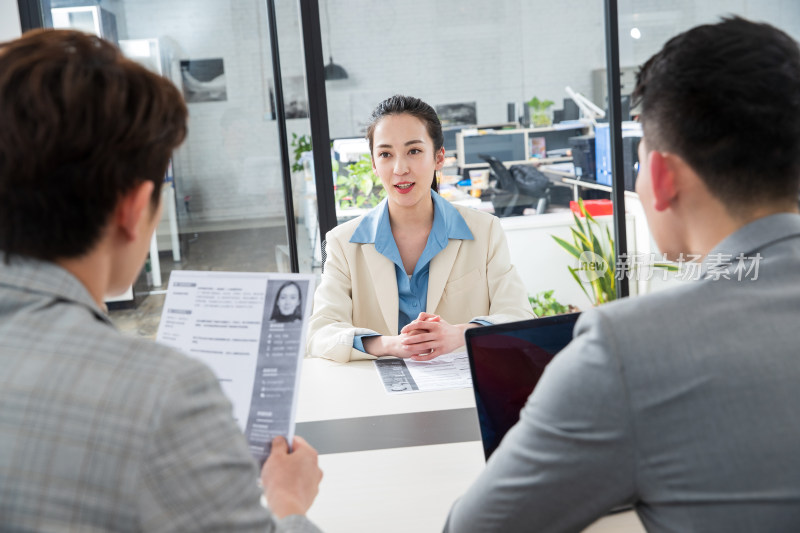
x: 393, y: 463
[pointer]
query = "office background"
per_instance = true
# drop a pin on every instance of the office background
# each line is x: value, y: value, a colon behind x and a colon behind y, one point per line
x: 228, y: 182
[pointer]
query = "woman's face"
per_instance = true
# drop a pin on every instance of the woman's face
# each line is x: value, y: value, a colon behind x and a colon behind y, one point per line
x: 404, y: 158
x: 288, y: 300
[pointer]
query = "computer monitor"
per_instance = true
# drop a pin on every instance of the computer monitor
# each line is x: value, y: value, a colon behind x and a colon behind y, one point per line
x: 350, y: 149
x: 506, y: 361
x: 503, y: 146
x: 450, y: 138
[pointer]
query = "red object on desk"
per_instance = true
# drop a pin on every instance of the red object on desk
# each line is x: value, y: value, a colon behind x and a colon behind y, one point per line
x: 595, y: 208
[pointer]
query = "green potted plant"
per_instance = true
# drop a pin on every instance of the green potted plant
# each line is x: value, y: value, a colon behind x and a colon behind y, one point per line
x: 360, y: 187
x: 595, y: 251
x: 540, y: 116
x: 543, y: 304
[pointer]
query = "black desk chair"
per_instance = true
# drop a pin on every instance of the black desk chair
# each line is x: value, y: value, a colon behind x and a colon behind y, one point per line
x: 517, y: 187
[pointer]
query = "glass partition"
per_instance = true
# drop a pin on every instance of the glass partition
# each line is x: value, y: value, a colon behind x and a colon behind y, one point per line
x: 521, y: 82
x: 644, y: 27
x: 224, y: 196
x: 298, y: 130
x: 500, y: 75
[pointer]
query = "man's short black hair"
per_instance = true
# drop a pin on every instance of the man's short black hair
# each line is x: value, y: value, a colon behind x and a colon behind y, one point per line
x: 725, y: 97
x: 80, y: 126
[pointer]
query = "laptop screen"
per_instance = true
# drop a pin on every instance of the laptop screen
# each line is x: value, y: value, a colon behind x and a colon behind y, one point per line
x: 506, y: 361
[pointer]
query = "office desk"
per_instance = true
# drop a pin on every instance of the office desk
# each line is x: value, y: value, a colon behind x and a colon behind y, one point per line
x: 393, y: 463
x: 566, y: 173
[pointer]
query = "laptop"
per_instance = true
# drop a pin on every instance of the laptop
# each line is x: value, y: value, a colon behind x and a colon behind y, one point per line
x: 506, y: 362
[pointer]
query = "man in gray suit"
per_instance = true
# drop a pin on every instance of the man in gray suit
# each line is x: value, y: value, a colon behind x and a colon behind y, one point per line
x: 99, y: 432
x: 682, y: 403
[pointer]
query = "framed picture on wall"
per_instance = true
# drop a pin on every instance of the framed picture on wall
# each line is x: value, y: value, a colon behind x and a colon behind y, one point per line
x: 460, y: 114
x: 204, y: 80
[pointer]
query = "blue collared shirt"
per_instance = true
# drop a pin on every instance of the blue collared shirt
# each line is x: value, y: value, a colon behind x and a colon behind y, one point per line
x: 413, y: 292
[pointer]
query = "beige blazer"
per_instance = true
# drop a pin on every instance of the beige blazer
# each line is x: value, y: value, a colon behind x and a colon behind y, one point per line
x: 358, y: 293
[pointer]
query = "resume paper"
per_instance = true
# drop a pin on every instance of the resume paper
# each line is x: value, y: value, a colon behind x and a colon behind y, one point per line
x: 249, y: 328
x: 401, y: 376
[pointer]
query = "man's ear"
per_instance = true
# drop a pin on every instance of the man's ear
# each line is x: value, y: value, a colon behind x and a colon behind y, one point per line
x: 132, y: 207
x: 663, y: 178
x: 440, y: 159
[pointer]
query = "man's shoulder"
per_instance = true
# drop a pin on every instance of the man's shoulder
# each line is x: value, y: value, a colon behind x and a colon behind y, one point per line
x: 77, y: 334
x: 147, y: 353
x: 42, y: 326
x: 636, y: 324
x: 643, y: 307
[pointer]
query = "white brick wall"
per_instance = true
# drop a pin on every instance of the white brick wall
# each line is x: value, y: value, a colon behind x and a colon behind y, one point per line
x: 443, y: 51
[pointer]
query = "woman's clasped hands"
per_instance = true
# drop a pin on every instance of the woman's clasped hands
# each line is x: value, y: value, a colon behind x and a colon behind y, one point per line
x: 430, y: 336
x: 426, y: 338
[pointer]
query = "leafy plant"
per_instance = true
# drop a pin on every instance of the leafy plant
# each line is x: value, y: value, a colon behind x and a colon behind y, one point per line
x: 596, y: 259
x: 543, y: 304
x: 360, y: 187
x: 300, y: 144
x: 539, y: 115
x: 595, y: 251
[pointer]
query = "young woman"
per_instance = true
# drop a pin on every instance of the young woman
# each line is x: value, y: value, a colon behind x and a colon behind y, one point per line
x: 409, y: 277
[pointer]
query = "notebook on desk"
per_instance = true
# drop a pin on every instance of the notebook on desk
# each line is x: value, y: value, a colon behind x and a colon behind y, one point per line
x: 506, y: 362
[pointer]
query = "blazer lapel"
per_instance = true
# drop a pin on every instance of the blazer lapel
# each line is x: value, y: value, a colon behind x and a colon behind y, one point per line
x: 439, y: 272
x: 384, y: 283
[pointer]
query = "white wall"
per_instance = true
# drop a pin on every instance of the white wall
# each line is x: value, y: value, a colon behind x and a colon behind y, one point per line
x: 459, y: 51
x: 9, y: 20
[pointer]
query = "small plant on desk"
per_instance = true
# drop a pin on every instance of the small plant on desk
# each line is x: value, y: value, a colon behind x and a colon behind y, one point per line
x: 539, y: 115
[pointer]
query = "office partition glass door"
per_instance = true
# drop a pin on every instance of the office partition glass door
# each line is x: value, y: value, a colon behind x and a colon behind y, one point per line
x: 224, y: 196
x: 298, y: 131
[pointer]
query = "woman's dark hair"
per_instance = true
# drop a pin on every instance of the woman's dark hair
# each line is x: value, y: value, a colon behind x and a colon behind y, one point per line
x: 80, y: 126
x: 297, y: 314
x: 398, y: 105
x: 726, y: 98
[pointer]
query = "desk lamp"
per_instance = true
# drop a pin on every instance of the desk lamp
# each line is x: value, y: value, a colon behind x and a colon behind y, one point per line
x: 587, y: 107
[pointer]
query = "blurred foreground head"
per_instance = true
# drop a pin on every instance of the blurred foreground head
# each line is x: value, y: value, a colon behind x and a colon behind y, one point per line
x: 81, y: 126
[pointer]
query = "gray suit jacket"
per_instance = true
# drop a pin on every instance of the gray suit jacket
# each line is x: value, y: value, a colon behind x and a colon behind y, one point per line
x: 683, y: 402
x: 100, y: 432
